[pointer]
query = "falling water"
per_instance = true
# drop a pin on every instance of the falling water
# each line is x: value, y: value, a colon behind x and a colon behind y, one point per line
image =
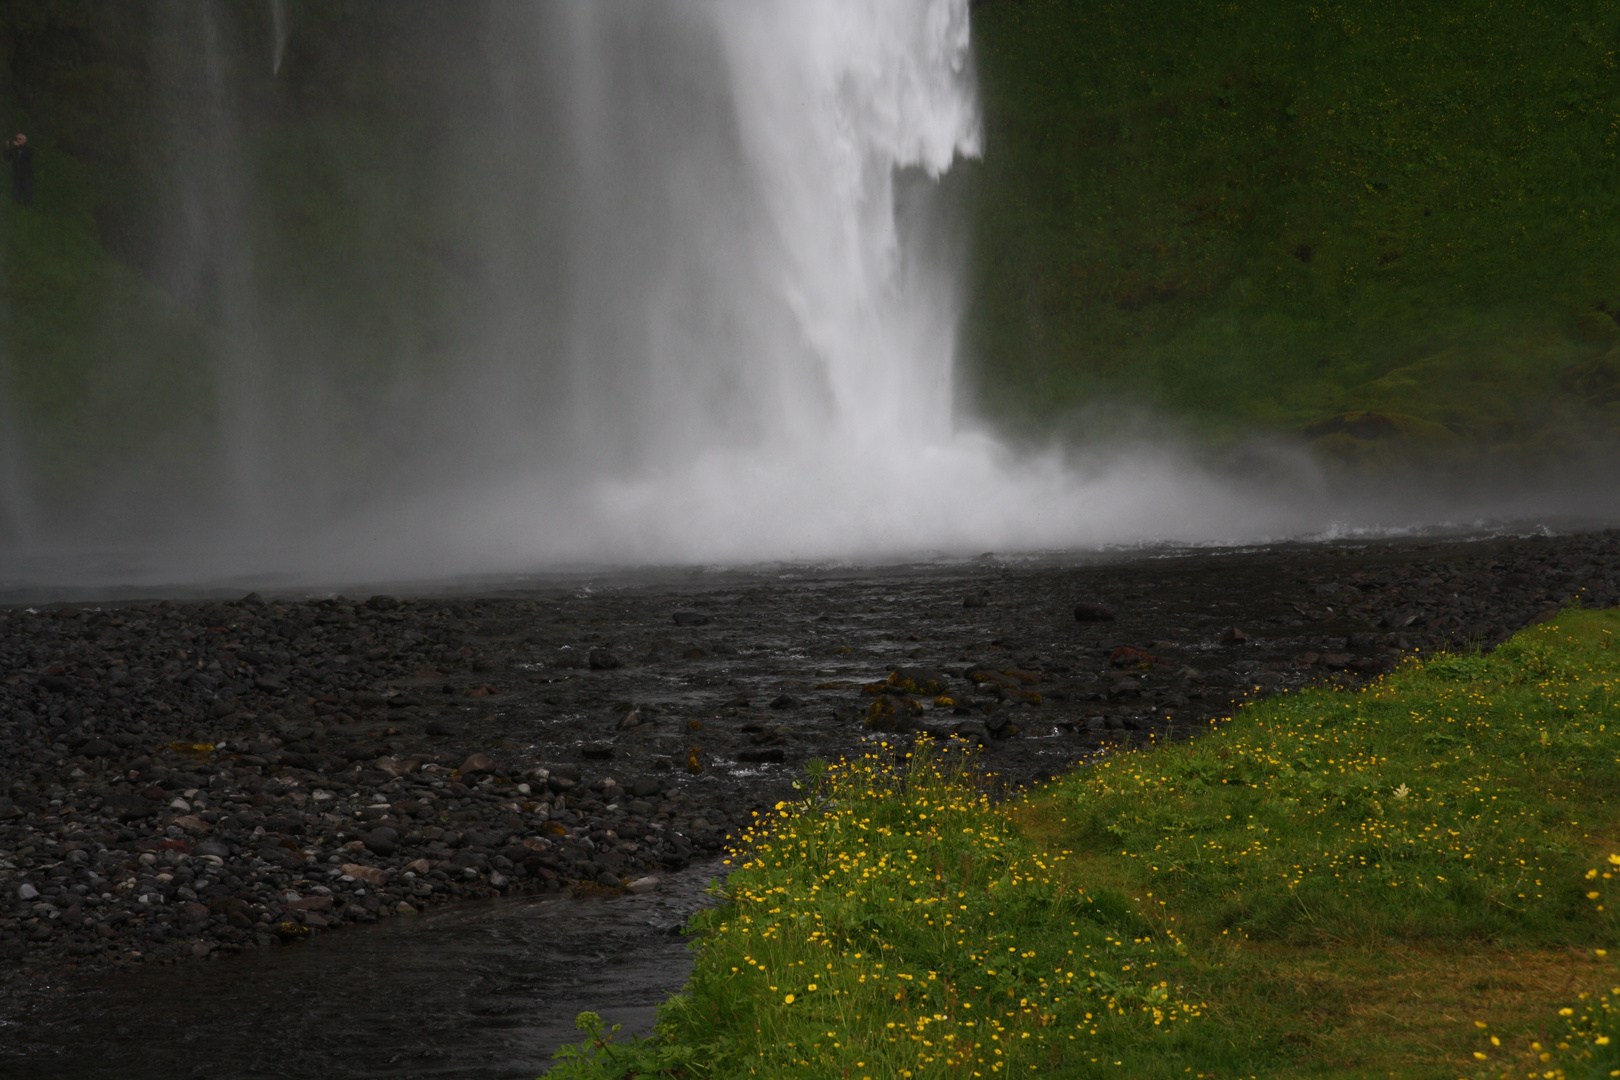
x: 708, y: 333
x: 209, y: 251
x: 17, y: 524
x: 643, y: 283
x: 278, y: 30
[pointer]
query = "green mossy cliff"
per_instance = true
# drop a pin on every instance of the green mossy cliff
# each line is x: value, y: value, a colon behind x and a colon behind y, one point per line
x: 1390, y: 228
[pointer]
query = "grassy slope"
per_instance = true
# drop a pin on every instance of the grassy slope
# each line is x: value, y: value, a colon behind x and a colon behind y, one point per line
x: 1331, y: 885
x: 1273, y: 213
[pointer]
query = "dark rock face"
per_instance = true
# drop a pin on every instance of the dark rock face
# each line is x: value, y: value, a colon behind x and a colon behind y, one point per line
x: 191, y: 779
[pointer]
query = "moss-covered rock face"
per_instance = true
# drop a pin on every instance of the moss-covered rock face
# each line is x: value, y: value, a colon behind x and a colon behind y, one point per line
x: 1272, y: 214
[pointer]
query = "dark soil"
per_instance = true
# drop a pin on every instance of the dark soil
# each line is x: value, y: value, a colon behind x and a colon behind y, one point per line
x: 186, y: 780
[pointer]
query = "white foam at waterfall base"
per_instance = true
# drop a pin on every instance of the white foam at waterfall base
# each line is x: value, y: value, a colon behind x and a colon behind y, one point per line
x: 825, y: 426
x: 748, y: 358
x: 695, y: 327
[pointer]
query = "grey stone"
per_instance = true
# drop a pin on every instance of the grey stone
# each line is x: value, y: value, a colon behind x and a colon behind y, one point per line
x: 1092, y: 613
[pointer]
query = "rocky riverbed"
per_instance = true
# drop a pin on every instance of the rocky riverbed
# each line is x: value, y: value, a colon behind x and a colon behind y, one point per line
x: 186, y: 780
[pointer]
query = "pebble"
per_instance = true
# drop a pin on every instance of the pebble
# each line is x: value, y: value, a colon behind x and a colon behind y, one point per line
x: 189, y: 779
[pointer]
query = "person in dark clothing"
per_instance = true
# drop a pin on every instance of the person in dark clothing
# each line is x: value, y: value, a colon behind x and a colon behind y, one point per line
x: 21, y: 156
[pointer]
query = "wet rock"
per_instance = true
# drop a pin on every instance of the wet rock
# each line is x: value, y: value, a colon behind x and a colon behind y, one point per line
x: 643, y: 885
x: 371, y: 875
x: 1092, y: 613
x: 785, y: 701
x: 477, y: 764
x: 602, y: 660
x: 1128, y: 656
x: 690, y: 618
x: 1233, y: 636
x: 890, y: 712
x: 916, y: 680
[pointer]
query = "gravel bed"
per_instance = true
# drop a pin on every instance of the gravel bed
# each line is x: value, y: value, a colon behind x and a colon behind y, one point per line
x: 184, y: 780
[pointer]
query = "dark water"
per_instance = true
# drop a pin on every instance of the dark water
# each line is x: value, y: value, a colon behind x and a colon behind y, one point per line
x: 476, y: 992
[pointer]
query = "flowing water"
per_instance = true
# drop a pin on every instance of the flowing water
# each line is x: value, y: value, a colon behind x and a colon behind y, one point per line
x: 605, y: 282
x: 476, y: 992
x: 278, y: 31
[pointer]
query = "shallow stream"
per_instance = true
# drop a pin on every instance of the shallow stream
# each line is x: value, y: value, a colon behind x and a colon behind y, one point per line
x: 481, y: 991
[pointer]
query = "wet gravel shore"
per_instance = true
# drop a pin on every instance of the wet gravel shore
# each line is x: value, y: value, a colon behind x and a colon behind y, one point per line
x: 188, y: 780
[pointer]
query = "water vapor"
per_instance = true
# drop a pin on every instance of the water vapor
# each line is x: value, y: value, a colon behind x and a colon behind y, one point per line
x: 685, y: 322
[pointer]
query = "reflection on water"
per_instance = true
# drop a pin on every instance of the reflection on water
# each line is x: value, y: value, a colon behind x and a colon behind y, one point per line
x: 477, y: 992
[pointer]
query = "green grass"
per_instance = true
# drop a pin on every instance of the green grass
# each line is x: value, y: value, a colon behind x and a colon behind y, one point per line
x: 896, y: 925
x: 1264, y: 215
x: 1332, y: 884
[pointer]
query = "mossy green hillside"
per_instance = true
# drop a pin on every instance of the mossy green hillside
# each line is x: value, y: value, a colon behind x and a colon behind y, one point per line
x: 1331, y: 884
x: 1271, y: 215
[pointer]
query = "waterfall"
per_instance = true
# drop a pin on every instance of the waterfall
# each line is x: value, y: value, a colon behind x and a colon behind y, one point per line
x: 17, y: 518
x: 613, y: 281
x: 748, y: 350
x: 278, y: 31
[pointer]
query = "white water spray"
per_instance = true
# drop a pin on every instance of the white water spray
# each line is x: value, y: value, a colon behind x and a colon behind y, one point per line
x: 696, y: 312
x: 786, y: 361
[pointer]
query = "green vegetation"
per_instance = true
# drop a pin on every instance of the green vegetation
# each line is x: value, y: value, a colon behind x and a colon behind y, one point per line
x: 896, y: 925
x: 1332, y: 884
x: 1282, y: 216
